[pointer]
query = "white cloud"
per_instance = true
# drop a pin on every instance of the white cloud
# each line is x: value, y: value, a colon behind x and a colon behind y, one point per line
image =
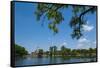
x: 83, y: 40
x: 80, y: 45
x: 94, y: 42
x: 64, y: 43
x: 85, y: 43
x: 87, y: 27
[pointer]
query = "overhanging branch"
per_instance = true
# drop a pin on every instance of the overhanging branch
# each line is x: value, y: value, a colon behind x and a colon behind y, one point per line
x: 83, y: 13
x: 88, y: 10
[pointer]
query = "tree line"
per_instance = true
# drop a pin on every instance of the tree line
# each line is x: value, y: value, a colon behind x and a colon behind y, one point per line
x: 67, y: 52
x: 55, y: 52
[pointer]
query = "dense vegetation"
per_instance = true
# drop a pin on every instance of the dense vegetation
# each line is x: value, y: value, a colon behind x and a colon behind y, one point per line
x: 40, y: 53
x: 67, y: 52
x: 55, y: 52
x: 20, y: 51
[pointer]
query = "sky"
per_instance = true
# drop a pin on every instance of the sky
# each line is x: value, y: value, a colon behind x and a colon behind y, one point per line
x: 30, y: 34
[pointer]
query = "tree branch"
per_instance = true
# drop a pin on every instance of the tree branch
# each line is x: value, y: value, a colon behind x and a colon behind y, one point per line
x: 86, y: 12
x: 83, y: 13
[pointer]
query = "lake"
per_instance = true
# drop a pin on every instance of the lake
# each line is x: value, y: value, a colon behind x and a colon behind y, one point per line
x: 48, y: 60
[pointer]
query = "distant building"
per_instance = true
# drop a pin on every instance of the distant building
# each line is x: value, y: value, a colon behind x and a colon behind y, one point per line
x: 35, y: 53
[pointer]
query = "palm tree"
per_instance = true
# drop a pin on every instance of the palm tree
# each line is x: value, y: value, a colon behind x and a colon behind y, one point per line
x: 90, y: 52
x: 40, y: 53
x: 51, y: 51
x: 54, y: 50
x: 47, y: 53
x: 68, y: 51
x: 74, y: 52
x: 63, y: 50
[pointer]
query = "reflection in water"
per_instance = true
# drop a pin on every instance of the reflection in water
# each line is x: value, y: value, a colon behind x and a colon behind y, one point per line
x: 52, y: 60
x: 39, y: 60
x: 49, y: 60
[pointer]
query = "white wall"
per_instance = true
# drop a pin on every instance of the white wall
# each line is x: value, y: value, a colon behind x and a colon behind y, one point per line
x: 5, y: 34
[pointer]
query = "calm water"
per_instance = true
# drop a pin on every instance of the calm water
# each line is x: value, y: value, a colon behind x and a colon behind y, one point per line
x: 47, y: 60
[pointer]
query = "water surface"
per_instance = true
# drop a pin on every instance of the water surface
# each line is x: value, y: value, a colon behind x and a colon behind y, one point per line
x: 48, y: 60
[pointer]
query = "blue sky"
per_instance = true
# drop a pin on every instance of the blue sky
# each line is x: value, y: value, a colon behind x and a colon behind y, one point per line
x: 30, y: 34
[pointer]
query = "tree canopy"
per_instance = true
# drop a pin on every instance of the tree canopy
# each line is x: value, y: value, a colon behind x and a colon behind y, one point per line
x: 53, y: 12
x: 20, y: 51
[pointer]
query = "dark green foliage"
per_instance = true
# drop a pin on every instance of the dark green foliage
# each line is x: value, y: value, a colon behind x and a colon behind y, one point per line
x: 53, y: 12
x: 20, y: 51
x: 91, y: 52
x: 47, y: 53
x: 65, y: 51
x: 40, y: 53
x: 53, y: 50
